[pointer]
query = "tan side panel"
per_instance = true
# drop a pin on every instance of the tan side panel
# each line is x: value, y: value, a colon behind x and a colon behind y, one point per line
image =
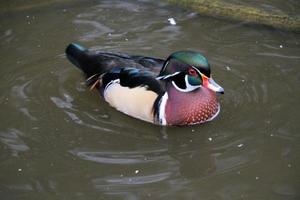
x: 136, y: 102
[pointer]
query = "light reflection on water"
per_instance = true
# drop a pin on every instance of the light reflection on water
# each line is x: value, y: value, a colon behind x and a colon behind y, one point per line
x: 59, y: 139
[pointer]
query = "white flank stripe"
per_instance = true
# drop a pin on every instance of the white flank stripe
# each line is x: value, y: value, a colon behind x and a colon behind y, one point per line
x: 109, y: 84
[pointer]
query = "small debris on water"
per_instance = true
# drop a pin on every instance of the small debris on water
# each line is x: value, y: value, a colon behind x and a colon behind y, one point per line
x: 193, y: 14
x: 210, y: 139
x: 289, y: 165
x: 281, y: 46
x: 126, y: 39
x: 172, y: 21
x: 256, y: 178
x: 240, y: 145
x: 20, y: 169
x: 228, y: 68
x: 136, y: 171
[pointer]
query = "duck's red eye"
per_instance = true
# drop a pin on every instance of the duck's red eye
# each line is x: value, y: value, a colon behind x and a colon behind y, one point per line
x: 192, y: 72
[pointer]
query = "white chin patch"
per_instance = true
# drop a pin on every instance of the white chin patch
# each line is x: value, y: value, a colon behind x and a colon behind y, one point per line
x: 188, y: 88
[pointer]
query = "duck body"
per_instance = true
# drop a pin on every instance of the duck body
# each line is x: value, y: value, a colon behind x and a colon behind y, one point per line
x: 175, y: 91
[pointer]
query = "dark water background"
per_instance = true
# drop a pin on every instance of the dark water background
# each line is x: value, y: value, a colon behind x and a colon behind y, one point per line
x: 58, y: 140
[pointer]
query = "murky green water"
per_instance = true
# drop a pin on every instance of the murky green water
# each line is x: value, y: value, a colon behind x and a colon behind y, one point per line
x: 58, y: 140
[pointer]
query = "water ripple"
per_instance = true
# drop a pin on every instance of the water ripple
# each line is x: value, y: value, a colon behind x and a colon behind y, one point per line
x: 278, y: 55
x: 101, y: 183
x: 12, y: 139
x: 20, y: 90
x: 99, y: 29
x: 61, y: 103
x: 77, y: 120
x: 128, y: 157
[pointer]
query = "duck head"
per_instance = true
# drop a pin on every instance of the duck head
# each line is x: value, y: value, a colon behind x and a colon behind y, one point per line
x: 188, y: 71
x: 191, y: 91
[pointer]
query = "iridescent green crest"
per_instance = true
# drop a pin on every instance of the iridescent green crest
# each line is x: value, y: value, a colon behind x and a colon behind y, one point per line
x: 190, y: 57
x: 181, y: 60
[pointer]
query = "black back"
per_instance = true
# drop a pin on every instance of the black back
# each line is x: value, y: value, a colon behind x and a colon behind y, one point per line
x: 98, y: 62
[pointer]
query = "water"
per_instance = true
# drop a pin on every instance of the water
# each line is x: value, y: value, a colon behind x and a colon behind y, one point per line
x: 58, y: 140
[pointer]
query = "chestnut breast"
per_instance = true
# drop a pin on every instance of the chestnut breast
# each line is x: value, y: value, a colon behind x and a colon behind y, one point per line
x: 184, y: 108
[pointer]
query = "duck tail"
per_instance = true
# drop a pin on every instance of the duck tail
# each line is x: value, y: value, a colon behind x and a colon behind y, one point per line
x: 83, y: 59
x: 76, y: 53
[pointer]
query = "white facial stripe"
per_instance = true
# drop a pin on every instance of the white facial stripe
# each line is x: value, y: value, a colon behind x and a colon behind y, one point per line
x: 201, y: 74
x: 165, y: 77
x: 165, y: 65
x: 177, y: 88
x: 196, y: 69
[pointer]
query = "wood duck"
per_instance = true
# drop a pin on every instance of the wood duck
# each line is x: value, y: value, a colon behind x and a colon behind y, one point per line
x: 175, y: 91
